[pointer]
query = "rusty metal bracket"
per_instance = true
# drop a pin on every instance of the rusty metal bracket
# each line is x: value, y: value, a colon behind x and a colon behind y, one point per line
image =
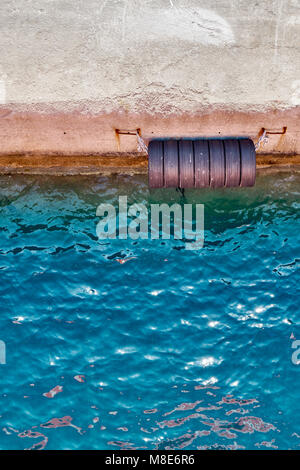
x: 142, y: 147
x: 275, y: 131
x: 264, y: 133
x: 128, y: 132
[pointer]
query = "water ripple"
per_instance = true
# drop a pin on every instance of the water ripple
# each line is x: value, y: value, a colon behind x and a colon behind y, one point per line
x: 128, y: 344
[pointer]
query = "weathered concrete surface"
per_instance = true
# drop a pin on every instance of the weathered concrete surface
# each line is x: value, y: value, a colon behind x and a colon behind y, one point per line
x: 71, y: 72
x: 112, y: 164
x: 77, y: 133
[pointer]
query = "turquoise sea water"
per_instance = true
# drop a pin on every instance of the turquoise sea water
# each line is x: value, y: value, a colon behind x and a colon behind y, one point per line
x: 144, y: 344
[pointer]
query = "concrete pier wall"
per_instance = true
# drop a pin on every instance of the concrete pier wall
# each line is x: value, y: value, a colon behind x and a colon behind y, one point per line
x: 72, y: 72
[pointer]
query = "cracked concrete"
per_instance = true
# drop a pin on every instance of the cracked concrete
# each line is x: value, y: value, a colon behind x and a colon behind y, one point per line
x: 72, y: 72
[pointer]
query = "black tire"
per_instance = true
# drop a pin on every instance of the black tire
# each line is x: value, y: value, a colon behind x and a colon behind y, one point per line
x: 248, y: 162
x: 156, y: 164
x: 201, y: 163
x: 232, y: 163
x: 171, y: 164
x: 201, y: 156
x: 217, y: 163
x: 186, y: 164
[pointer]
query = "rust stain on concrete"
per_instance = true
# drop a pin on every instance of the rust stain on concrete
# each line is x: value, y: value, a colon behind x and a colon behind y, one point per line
x: 78, y: 133
x: 109, y: 164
